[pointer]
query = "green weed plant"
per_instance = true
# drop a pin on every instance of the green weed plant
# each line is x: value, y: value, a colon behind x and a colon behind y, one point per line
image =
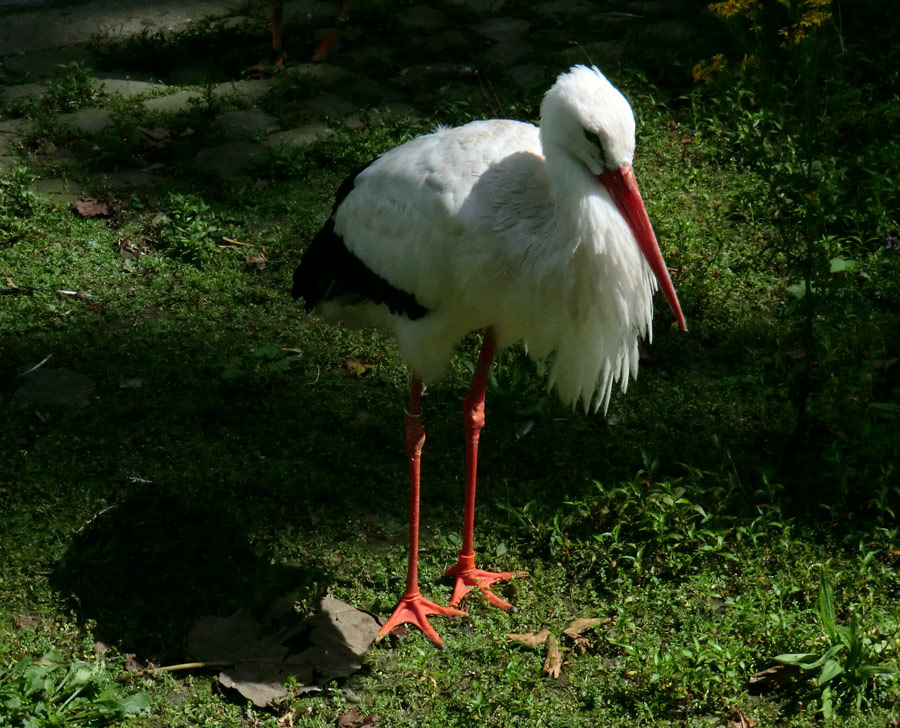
x: 17, y: 204
x: 804, y: 96
x: 52, y: 692
x: 190, y: 230
x: 847, y: 670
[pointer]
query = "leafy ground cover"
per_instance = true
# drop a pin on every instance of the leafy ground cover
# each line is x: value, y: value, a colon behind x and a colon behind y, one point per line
x: 732, y: 523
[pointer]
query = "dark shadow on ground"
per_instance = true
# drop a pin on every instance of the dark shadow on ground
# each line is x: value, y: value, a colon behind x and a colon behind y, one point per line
x: 146, y: 569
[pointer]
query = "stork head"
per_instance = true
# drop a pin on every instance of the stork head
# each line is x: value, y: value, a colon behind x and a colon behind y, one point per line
x: 588, y: 119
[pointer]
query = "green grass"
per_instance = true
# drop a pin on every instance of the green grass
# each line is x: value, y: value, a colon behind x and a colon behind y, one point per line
x: 228, y: 455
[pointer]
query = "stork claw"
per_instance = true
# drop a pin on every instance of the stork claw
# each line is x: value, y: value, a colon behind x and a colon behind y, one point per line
x: 469, y: 578
x: 414, y: 609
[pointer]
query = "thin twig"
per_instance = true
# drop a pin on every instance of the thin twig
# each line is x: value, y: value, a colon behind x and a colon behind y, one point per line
x: 36, y: 366
x: 190, y: 666
x: 254, y: 245
x: 246, y: 245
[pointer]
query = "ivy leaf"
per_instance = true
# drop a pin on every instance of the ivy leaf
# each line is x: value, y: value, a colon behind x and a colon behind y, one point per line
x: 839, y: 265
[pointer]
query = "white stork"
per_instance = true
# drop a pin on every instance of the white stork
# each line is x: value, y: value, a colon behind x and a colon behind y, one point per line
x: 533, y: 235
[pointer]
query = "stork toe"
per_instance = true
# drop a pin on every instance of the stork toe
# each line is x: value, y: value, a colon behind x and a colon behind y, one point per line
x: 415, y: 609
x: 468, y: 578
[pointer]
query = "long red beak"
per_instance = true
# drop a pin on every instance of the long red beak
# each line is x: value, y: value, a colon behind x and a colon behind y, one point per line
x: 624, y: 190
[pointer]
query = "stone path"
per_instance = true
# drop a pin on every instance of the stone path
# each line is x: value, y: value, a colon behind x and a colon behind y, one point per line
x: 496, y: 37
x: 447, y: 59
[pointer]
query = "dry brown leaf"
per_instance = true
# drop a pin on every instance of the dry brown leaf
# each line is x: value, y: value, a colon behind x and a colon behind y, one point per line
x: 576, y: 631
x: 739, y: 720
x: 400, y: 632
x: 133, y: 663
x: 257, y: 261
x: 89, y: 207
x: 355, y: 367
x: 354, y: 719
x: 580, y: 626
x: 775, y: 677
x: 553, y: 661
x: 27, y: 621
x: 582, y: 644
x: 530, y: 639
x: 286, y: 720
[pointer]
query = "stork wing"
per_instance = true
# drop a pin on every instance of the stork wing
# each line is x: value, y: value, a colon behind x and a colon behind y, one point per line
x: 418, y: 215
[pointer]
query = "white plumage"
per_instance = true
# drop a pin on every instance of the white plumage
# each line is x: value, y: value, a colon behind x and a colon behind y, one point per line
x: 536, y: 235
x: 496, y: 223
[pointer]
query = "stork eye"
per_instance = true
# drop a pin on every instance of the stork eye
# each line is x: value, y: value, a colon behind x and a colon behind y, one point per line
x: 595, y: 140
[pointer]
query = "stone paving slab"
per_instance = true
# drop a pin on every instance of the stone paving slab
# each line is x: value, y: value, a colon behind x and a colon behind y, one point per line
x: 126, y: 87
x: 299, y: 137
x: 176, y: 103
x: 233, y: 159
x: 12, y: 94
x: 78, y: 23
x: 528, y: 75
x: 57, y: 190
x: 87, y: 121
x: 10, y: 128
x: 246, y: 90
x: 44, y: 63
x: 423, y: 18
x: 324, y: 74
x: 33, y: 43
x: 245, y: 123
x: 131, y: 180
x: 501, y: 29
x: 325, y: 104
x: 508, y: 52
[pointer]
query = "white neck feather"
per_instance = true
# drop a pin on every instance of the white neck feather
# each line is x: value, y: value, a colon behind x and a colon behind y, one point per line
x: 594, y: 259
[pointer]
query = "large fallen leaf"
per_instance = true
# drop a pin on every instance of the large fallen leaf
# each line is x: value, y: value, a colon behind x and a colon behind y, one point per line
x: 553, y: 661
x: 89, y: 207
x: 262, y: 653
x: 580, y: 626
x: 575, y: 631
x: 354, y: 719
x: 530, y: 639
x: 739, y: 720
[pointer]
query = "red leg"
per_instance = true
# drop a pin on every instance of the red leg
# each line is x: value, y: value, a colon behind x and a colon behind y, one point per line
x: 275, y: 20
x: 413, y: 607
x: 466, y: 574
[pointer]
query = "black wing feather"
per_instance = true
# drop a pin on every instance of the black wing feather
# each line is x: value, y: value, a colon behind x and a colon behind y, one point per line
x: 328, y: 270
